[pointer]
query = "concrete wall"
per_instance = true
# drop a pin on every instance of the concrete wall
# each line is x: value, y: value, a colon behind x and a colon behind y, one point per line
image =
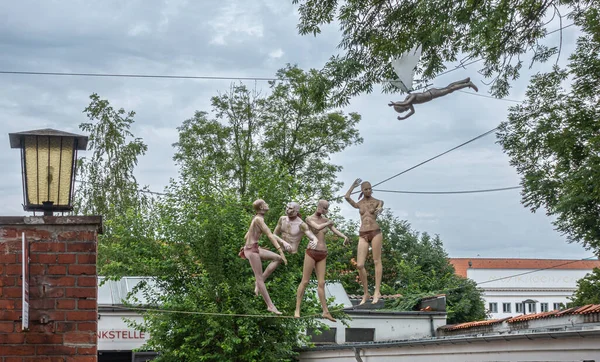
x: 556, y: 347
x: 391, y: 325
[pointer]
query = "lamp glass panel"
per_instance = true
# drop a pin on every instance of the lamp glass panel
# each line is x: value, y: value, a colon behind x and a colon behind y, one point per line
x: 31, y: 170
x: 65, y: 168
x: 48, y: 169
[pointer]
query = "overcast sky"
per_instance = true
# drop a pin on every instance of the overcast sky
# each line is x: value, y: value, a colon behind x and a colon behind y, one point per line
x: 254, y: 39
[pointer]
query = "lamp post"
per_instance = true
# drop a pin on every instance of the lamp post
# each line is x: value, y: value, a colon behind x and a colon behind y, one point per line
x: 48, y: 164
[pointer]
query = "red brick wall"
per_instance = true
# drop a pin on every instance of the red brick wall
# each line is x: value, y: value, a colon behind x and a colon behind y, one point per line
x: 63, y: 316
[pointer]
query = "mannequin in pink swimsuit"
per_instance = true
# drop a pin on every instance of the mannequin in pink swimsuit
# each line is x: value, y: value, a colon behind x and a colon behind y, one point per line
x: 255, y: 255
x: 316, y: 256
x: 369, y: 234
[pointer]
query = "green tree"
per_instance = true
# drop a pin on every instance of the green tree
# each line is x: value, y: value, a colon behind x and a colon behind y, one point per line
x: 553, y: 140
x: 289, y: 134
x: 416, y: 266
x: 107, y: 185
x: 588, y: 289
x: 302, y: 131
x: 499, y: 33
x: 201, y: 273
x: 252, y: 146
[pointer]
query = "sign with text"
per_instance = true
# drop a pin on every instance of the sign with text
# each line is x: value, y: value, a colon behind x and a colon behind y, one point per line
x: 114, y: 333
x: 25, y: 283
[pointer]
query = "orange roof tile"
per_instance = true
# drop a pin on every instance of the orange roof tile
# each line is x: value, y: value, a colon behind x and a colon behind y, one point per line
x: 462, y: 264
x: 488, y: 322
x: 586, y: 309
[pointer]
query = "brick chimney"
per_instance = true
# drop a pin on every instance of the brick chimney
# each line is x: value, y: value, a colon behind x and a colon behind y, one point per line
x: 63, y: 305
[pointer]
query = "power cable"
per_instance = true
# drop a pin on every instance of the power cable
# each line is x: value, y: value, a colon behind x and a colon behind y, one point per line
x: 138, y: 190
x: 486, y: 96
x: 537, y: 270
x: 448, y: 192
x: 205, y: 77
x: 420, y: 295
x: 437, y: 156
x: 447, y: 290
x: 378, y: 190
x: 161, y: 310
x: 202, y: 77
x: 464, y: 65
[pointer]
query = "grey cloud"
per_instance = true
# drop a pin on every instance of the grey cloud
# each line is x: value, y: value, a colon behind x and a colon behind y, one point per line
x: 178, y: 37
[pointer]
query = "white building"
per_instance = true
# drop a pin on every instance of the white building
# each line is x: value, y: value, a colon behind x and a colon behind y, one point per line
x: 116, y: 339
x: 537, y: 285
x: 562, y: 336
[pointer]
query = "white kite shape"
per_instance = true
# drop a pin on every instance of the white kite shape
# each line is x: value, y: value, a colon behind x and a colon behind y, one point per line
x: 404, y: 67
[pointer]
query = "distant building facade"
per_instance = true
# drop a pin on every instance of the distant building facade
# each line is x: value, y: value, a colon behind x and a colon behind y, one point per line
x: 513, y: 287
x: 561, y: 336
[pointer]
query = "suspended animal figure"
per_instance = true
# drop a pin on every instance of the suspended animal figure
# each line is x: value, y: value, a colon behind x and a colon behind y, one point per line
x: 404, y: 67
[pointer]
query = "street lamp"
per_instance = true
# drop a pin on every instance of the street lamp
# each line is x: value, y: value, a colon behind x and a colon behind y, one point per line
x: 48, y: 164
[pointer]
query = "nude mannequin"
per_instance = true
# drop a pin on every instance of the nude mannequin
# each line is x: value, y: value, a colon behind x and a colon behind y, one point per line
x: 369, y: 234
x: 317, y: 257
x: 290, y: 229
x: 255, y: 254
x: 428, y: 95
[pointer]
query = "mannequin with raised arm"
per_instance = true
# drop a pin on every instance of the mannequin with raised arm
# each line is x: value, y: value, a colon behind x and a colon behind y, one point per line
x: 369, y: 235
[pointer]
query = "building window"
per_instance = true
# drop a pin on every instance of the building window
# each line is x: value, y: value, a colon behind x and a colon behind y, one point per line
x: 360, y: 334
x: 557, y: 306
x: 506, y: 307
x: 493, y: 307
x: 543, y: 307
x: 322, y: 336
x: 531, y: 308
x: 519, y: 307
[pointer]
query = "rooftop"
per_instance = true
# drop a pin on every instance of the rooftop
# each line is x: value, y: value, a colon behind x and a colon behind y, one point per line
x: 461, y: 265
x: 586, y: 309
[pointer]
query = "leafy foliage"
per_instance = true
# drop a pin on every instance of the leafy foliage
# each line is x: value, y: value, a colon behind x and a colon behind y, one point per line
x: 287, y: 135
x: 201, y: 272
x: 588, y: 289
x: 553, y: 140
x: 106, y: 183
x: 375, y: 31
x: 273, y: 147
x: 416, y: 266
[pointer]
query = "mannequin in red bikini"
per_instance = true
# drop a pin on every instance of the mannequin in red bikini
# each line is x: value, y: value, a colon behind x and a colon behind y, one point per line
x: 316, y: 256
x: 255, y: 255
x: 369, y: 235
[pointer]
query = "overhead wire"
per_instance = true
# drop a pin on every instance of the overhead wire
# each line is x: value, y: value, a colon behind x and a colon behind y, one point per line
x: 537, y: 270
x: 414, y: 295
x: 161, y: 310
x: 448, y: 192
x: 207, y: 77
x: 115, y: 75
x: 378, y: 190
x: 436, y: 156
x: 448, y: 290
x: 463, y: 65
x: 491, y: 97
